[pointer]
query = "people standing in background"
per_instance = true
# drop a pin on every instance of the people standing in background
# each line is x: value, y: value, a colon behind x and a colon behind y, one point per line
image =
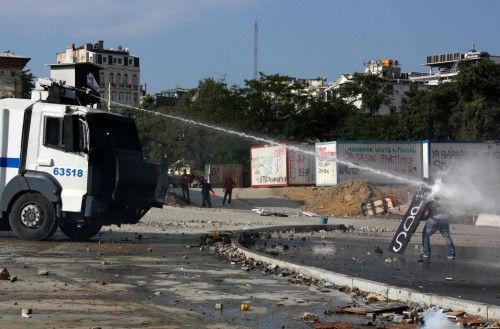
x: 191, y: 178
x: 229, y: 184
x: 185, y: 186
x: 206, y: 188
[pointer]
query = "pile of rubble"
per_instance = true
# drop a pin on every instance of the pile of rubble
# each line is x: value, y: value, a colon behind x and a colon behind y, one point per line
x: 378, y: 311
x: 344, y: 199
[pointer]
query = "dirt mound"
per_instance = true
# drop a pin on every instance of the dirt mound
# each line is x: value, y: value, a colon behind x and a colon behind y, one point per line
x: 344, y: 199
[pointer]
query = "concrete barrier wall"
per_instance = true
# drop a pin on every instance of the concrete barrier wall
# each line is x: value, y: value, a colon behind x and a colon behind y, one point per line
x: 446, y: 156
x: 396, y: 158
x: 268, y: 165
x: 338, y: 161
x: 301, y: 165
x: 217, y: 174
x: 326, y: 164
x: 282, y: 165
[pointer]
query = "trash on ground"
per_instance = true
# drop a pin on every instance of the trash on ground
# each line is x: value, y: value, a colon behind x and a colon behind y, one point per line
x: 378, y: 206
x: 309, y: 214
x: 4, y: 274
x: 375, y: 308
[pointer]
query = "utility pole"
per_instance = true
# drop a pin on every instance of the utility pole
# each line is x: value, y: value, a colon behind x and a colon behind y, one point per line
x: 255, y: 48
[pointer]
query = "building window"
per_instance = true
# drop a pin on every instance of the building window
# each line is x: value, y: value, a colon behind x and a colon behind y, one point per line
x: 101, y: 79
x: 125, y: 80
x: 134, y: 81
x: 130, y: 61
x: 128, y: 97
x: 120, y: 97
x: 112, y: 79
x: 113, y: 96
x: 119, y: 79
x: 392, y: 109
x: 136, y: 99
x: 105, y: 59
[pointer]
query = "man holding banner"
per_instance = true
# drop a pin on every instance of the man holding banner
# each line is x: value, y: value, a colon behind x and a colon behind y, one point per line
x: 438, y: 220
x: 425, y: 204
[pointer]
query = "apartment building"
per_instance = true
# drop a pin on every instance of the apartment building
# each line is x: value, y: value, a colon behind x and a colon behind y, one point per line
x: 443, y: 67
x: 11, y: 74
x: 119, y: 77
x: 399, y: 84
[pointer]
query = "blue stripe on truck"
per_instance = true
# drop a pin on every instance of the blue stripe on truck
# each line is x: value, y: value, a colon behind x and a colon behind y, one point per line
x: 9, y: 162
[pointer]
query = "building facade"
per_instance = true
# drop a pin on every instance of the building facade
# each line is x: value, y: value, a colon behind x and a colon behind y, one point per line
x: 399, y: 84
x: 119, y: 77
x: 11, y: 74
x: 169, y: 97
x: 443, y: 67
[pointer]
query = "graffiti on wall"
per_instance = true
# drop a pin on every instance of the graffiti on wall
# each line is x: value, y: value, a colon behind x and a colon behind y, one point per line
x: 399, y: 159
x: 268, y: 165
x: 445, y: 155
x: 326, y: 164
x: 217, y: 174
x: 301, y: 165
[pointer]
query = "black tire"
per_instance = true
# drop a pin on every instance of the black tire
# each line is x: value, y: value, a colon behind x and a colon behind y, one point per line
x: 32, y: 217
x: 79, y: 232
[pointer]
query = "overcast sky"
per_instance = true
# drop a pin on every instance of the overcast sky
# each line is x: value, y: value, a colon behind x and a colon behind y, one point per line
x: 181, y: 42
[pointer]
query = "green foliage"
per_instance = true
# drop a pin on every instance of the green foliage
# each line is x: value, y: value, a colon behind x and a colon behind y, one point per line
x: 28, y: 83
x: 371, y: 89
x: 275, y: 106
x: 466, y: 108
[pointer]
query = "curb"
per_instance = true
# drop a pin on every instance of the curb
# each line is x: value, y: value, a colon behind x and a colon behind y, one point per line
x: 487, y: 311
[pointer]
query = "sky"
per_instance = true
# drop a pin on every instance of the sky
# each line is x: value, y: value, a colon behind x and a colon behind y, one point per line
x: 182, y: 42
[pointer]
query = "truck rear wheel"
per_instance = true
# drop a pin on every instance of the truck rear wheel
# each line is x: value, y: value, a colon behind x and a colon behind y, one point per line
x: 79, y: 232
x: 32, y: 217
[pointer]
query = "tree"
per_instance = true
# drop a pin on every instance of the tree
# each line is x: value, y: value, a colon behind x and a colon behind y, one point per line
x: 466, y: 108
x: 426, y: 114
x: 478, y: 88
x: 273, y: 103
x: 28, y: 83
x: 371, y: 89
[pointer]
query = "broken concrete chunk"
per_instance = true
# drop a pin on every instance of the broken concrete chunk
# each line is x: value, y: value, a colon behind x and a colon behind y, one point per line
x: 43, y: 272
x: 27, y: 310
x: 4, y: 274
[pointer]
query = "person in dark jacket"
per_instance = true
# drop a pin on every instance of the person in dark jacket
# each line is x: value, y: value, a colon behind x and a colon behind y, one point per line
x: 229, y: 184
x: 438, y: 220
x: 185, y: 186
x: 206, y: 188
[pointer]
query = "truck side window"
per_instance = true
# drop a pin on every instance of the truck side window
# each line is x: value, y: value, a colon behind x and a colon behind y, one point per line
x: 54, y: 132
x: 82, y: 126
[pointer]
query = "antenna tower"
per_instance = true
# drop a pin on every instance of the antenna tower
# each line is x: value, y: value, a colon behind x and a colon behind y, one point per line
x: 255, y: 48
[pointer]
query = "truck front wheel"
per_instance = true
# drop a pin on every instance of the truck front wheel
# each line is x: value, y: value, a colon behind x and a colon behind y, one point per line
x: 79, y: 232
x: 32, y: 217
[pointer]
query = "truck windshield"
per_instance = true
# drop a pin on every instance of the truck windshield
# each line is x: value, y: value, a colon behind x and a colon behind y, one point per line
x: 108, y: 132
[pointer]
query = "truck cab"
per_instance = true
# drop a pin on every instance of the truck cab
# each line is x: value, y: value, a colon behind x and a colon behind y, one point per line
x: 71, y: 167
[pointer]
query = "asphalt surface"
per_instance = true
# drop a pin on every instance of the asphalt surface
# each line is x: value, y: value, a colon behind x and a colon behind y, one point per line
x: 156, y: 275
x: 474, y: 275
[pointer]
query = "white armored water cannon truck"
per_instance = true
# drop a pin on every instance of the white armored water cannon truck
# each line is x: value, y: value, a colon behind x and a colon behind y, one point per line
x: 70, y: 167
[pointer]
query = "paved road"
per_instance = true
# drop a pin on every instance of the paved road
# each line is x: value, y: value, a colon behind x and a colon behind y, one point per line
x: 474, y: 275
x: 144, y: 275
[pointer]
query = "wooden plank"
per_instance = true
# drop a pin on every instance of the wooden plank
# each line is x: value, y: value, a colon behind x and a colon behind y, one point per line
x: 376, y: 308
x: 334, y: 325
x: 455, y: 314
